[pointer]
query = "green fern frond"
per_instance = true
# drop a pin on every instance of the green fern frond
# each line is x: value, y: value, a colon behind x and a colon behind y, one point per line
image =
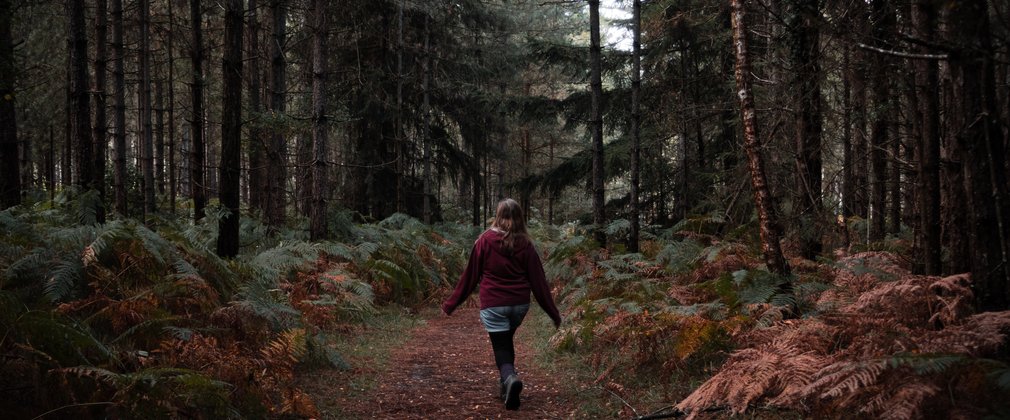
x: 63, y: 279
x: 393, y: 273
x: 60, y: 339
x: 679, y: 256
x: 1001, y: 377
x: 266, y: 301
x: 364, y: 251
x: 320, y: 354
x: 618, y: 226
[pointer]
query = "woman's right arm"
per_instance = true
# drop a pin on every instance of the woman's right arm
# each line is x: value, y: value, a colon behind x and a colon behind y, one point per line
x: 468, y: 280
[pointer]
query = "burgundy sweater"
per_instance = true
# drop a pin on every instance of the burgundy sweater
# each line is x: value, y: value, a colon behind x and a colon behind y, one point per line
x: 505, y: 278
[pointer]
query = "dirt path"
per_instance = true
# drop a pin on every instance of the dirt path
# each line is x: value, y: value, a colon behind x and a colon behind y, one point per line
x: 446, y: 370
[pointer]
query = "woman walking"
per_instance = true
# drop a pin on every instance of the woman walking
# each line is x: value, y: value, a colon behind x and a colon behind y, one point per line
x: 507, y: 267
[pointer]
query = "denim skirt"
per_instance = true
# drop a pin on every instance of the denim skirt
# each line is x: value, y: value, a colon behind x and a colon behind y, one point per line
x: 503, y: 318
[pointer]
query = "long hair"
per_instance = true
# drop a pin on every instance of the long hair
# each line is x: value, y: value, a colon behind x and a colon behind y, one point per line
x: 509, y: 219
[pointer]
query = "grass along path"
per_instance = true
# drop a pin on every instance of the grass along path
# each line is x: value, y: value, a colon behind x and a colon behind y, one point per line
x: 441, y: 368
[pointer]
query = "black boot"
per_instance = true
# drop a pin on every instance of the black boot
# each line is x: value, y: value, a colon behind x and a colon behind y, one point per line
x: 512, y: 387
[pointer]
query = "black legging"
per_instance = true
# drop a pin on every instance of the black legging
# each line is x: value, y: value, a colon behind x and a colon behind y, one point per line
x: 504, y: 347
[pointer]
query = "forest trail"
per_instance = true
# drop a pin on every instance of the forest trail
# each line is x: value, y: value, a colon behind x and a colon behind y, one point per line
x: 446, y: 371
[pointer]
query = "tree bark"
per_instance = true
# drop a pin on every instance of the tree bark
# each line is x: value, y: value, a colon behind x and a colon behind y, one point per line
x: 924, y: 14
x: 636, y: 118
x: 147, y: 137
x: 426, y: 110
x: 881, y: 22
x: 80, y: 105
x: 400, y: 146
x: 231, y: 130
x: 101, y: 126
x: 596, y: 124
x: 172, y: 182
x: 768, y: 222
x: 981, y: 154
x: 197, y: 149
x: 805, y: 53
x: 10, y: 182
x: 159, y: 136
x: 257, y: 147
x: 119, y: 111
x: 317, y: 220
x: 277, y: 150
x: 848, y: 183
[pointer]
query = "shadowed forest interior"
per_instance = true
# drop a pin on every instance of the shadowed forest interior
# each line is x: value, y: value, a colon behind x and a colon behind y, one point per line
x: 793, y: 208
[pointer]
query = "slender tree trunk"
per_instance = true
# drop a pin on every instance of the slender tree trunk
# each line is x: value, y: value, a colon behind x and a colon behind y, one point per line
x: 596, y: 123
x: 101, y: 127
x: 768, y: 222
x: 172, y: 182
x: 147, y: 137
x: 636, y: 118
x: 426, y: 110
x: 119, y: 117
x: 80, y: 123
x: 880, y: 16
x: 982, y: 155
x: 317, y: 224
x: 401, y: 155
x: 894, y: 172
x: 159, y: 137
x: 925, y: 16
x: 848, y: 187
x: 10, y: 185
x: 803, y: 21
x: 277, y: 151
x: 197, y: 188
x: 257, y: 147
x: 231, y: 130
x: 860, y: 143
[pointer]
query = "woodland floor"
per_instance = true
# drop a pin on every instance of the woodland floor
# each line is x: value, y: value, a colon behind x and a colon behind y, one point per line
x: 441, y: 368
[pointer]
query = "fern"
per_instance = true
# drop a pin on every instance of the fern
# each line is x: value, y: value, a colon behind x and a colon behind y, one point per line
x: 60, y: 340
x: 678, y: 256
x: 63, y: 279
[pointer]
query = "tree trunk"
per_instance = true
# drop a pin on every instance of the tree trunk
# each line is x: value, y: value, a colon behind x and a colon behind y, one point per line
x: 317, y: 223
x: 172, y: 186
x: 401, y: 152
x: 924, y: 13
x: 768, y: 223
x: 101, y: 127
x: 277, y: 150
x: 880, y: 18
x: 981, y: 154
x: 596, y: 124
x: 848, y: 183
x: 860, y: 155
x: 197, y: 149
x: 159, y: 137
x: 80, y: 105
x: 231, y: 130
x: 636, y: 118
x: 803, y: 21
x: 147, y: 137
x: 426, y: 110
x: 10, y: 184
x: 257, y: 170
x: 119, y: 117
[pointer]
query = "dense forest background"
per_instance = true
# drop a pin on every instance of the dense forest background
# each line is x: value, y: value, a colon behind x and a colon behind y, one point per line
x: 810, y: 194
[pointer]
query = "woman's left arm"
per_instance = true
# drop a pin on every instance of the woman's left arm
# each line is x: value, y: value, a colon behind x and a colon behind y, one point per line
x: 538, y: 283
